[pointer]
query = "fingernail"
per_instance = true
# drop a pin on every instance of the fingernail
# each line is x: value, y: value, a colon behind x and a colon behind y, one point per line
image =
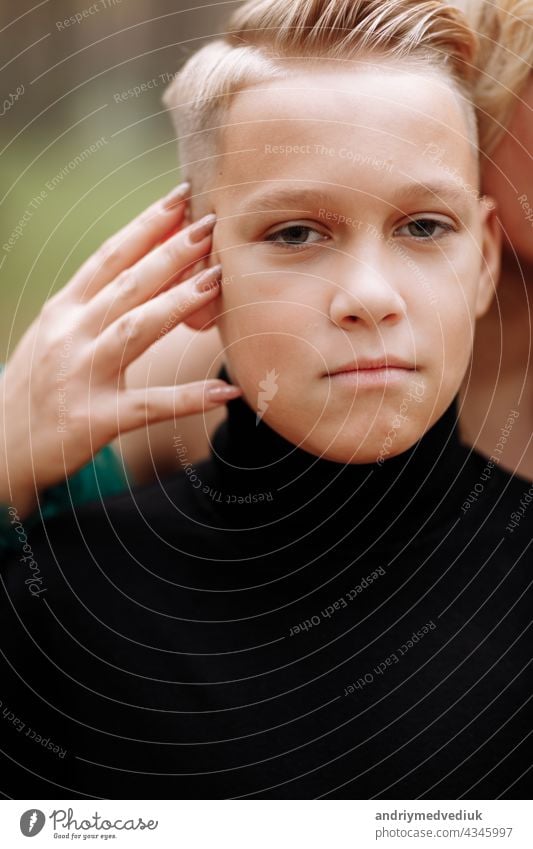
x: 176, y: 195
x: 209, y: 279
x: 223, y: 393
x: 202, y: 228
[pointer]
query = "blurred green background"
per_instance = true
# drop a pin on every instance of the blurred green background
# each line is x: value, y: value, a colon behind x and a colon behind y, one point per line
x: 66, y: 69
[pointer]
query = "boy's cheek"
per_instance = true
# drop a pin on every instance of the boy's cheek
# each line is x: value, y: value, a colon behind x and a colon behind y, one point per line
x: 266, y: 359
x: 448, y: 304
x: 257, y: 305
x: 462, y: 266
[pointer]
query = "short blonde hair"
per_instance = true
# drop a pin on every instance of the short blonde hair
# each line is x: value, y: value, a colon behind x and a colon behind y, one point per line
x: 263, y: 33
x: 504, y: 61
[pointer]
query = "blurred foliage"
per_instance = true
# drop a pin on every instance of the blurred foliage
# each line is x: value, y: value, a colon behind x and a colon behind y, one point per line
x: 92, y: 200
x: 62, y: 87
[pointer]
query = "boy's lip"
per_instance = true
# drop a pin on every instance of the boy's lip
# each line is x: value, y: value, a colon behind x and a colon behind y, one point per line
x: 368, y: 364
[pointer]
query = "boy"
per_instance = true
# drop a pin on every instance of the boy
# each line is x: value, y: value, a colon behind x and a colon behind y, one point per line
x: 331, y: 606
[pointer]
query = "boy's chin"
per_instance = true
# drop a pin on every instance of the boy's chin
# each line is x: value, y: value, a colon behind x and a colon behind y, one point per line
x: 370, y: 437
x: 363, y: 452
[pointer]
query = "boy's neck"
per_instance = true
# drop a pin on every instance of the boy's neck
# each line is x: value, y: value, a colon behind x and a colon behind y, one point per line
x: 258, y: 479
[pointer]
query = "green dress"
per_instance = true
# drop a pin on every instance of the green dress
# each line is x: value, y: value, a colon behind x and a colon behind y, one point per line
x: 104, y: 475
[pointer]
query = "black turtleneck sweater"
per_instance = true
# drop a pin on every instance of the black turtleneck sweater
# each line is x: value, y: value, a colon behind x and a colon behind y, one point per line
x: 268, y: 624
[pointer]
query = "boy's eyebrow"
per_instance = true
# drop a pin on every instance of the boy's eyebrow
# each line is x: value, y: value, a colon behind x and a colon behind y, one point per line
x: 451, y: 192
x: 287, y: 198
x: 309, y: 198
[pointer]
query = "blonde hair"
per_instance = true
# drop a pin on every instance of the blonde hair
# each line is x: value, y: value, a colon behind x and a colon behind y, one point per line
x: 504, y: 61
x: 263, y: 33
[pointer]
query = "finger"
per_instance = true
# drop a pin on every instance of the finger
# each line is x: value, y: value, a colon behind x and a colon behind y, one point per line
x: 130, y: 244
x: 141, y: 407
x: 128, y: 337
x: 154, y: 273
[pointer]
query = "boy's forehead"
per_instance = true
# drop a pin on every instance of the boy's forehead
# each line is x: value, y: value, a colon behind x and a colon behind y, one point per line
x: 337, y: 126
x: 323, y: 87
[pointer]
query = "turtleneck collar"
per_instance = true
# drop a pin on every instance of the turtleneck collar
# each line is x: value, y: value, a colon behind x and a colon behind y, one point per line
x: 257, y: 479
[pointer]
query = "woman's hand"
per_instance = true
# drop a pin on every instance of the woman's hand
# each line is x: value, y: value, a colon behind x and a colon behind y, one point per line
x: 63, y: 391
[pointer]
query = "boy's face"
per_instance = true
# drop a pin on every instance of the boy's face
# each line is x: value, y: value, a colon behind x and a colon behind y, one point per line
x: 393, y: 260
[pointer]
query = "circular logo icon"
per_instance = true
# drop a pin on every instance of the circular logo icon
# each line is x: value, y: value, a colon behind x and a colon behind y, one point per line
x: 31, y: 822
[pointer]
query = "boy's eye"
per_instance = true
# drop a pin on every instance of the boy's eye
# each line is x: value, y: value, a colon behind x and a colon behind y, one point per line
x: 294, y: 236
x: 424, y: 229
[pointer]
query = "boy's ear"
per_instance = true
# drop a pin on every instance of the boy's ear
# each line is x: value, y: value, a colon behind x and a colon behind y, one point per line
x: 491, y: 248
x: 204, y: 318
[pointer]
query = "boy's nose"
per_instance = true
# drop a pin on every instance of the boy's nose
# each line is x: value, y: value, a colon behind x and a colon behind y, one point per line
x: 365, y: 297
